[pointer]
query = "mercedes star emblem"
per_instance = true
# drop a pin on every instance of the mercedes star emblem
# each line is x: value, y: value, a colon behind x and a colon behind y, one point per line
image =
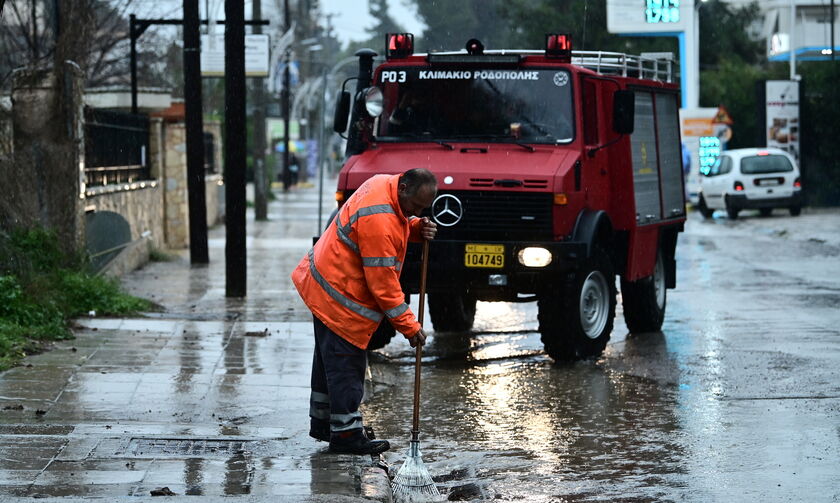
x: 447, y: 210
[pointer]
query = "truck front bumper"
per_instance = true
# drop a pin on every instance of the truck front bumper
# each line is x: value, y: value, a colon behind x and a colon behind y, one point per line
x: 448, y: 270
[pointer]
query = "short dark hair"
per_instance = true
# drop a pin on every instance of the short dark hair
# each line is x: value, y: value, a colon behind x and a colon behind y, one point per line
x: 416, y: 178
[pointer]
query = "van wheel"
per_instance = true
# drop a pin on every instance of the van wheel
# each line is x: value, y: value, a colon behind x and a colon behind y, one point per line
x: 704, y: 209
x: 577, y: 318
x: 452, y: 312
x: 384, y: 332
x: 644, y: 300
x: 731, y: 210
x: 795, y: 211
x: 765, y: 212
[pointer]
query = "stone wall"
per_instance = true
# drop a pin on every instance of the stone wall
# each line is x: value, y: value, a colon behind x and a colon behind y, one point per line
x: 143, y: 209
x: 176, y: 202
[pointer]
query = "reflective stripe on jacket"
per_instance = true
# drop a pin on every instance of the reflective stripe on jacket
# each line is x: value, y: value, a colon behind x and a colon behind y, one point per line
x: 350, y: 279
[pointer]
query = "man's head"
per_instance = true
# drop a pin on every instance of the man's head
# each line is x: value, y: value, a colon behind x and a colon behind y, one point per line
x: 416, y: 191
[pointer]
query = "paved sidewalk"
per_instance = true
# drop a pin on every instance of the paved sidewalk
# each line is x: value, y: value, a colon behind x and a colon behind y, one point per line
x: 208, y: 397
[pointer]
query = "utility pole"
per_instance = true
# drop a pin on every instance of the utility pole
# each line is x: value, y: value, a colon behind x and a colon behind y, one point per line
x: 235, y: 155
x: 832, y: 30
x: 260, y: 180
x: 287, y: 175
x: 792, y: 40
x: 196, y: 197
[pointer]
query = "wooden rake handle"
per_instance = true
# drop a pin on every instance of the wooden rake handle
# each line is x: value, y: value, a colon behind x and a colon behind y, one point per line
x: 415, y: 426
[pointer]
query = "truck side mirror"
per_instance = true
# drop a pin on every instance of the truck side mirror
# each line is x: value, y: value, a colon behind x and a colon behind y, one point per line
x: 624, y: 107
x: 342, y: 112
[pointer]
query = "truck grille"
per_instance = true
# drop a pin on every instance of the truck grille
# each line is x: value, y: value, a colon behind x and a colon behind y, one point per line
x: 497, y: 215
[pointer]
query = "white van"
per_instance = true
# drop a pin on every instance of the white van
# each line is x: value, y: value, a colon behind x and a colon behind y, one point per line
x: 751, y: 178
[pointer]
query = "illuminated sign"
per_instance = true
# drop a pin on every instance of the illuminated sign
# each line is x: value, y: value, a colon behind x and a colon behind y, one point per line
x: 649, y: 16
x: 662, y: 11
x: 708, y: 153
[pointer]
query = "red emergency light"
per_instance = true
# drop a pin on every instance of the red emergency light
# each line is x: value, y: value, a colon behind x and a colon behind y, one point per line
x: 399, y: 45
x: 474, y: 46
x: 558, y: 45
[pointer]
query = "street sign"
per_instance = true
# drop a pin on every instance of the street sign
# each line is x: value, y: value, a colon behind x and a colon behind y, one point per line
x: 722, y: 116
x: 213, y: 55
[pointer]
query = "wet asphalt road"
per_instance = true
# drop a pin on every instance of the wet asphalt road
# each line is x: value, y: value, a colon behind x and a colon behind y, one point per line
x: 737, y: 399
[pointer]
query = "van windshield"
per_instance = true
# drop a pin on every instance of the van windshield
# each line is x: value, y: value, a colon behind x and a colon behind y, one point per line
x: 521, y: 105
x: 760, y: 164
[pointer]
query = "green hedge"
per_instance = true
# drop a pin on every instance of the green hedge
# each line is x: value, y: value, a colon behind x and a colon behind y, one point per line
x: 42, y: 288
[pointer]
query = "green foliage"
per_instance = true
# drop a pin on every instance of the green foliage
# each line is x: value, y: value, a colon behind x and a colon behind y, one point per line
x: 733, y: 84
x: 42, y: 288
x: 727, y: 34
x: 820, y: 107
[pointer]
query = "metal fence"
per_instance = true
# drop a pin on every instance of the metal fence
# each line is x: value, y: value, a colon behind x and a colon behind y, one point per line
x: 116, y: 147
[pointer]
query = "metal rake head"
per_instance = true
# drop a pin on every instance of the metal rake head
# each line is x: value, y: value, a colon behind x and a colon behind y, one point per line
x: 413, y: 481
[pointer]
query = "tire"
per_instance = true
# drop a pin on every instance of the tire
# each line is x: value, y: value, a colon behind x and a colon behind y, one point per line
x: 704, y: 210
x: 644, y: 300
x: 452, y: 312
x: 765, y: 212
x: 795, y: 210
x: 731, y: 211
x: 577, y: 318
x: 384, y: 333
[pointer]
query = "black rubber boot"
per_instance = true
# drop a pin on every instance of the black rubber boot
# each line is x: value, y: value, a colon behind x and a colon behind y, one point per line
x: 319, y: 430
x: 356, y: 442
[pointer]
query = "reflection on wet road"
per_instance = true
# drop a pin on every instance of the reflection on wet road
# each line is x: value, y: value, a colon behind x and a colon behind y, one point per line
x: 738, y: 398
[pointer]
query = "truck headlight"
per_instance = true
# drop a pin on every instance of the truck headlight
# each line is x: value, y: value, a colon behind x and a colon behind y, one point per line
x: 373, y: 101
x: 534, y: 256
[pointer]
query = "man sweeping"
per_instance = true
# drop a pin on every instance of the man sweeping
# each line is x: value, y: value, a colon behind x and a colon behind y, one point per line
x: 350, y: 282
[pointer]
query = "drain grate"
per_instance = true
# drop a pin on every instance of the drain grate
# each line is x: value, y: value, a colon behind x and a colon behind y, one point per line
x: 199, y: 447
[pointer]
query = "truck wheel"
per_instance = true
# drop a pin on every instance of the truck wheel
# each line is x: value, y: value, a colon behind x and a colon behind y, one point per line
x: 731, y: 210
x: 452, y: 312
x: 384, y: 332
x: 576, y: 320
x: 704, y: 209
x: 644, y: 300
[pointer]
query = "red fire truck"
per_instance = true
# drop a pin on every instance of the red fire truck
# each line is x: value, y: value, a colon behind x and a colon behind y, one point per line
x: 557, y: 171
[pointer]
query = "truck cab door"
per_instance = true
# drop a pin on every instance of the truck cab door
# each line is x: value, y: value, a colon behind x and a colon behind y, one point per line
x: 595, y: 169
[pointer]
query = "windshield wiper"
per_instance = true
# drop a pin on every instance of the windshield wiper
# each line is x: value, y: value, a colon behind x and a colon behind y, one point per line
x: 525, y: 146
x: 423, y: 138
x: 496, y: 136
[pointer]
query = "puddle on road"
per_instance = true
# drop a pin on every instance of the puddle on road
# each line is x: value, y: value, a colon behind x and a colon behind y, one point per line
x: 500, y: 420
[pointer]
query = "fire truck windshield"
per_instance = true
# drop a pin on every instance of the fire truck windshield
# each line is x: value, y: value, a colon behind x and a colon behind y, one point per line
x: 519, y: 105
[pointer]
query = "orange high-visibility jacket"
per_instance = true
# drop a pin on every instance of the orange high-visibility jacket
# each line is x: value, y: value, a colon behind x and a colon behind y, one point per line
x: 350, y: 279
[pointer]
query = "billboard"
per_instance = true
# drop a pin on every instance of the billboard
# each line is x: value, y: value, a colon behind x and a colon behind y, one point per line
x: 782, y: 112
x: 649, y: 16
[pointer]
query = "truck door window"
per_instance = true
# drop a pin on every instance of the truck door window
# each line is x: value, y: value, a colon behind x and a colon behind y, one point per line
x: 524, y: 105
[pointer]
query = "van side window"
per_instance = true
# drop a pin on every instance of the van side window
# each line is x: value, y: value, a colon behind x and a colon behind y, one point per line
x: 725, y: 165
x: 722, y: 166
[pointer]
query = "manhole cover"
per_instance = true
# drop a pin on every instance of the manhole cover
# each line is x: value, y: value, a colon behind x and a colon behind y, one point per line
x: 193, y: 447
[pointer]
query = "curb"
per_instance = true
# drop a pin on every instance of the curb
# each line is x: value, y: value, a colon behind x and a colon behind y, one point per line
x: 375, y: 485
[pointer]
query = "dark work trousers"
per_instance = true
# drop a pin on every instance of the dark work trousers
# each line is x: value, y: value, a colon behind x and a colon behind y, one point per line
x: 338, y: 378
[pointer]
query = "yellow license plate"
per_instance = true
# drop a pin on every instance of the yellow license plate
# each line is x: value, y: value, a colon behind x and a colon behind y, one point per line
x: 481, y: 255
